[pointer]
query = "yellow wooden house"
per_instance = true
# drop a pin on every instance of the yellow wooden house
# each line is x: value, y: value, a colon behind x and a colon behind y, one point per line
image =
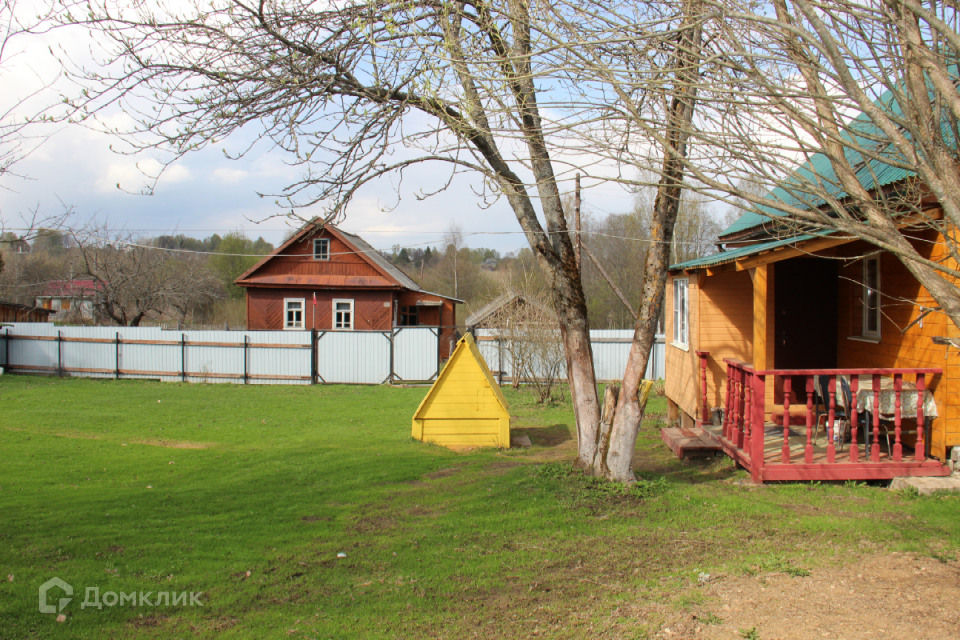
x: 465, y: 407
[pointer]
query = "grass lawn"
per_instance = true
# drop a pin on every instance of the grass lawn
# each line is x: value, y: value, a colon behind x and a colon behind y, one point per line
x: 248, y: 495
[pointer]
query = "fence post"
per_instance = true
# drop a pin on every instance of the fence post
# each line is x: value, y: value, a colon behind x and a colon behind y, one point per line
x: 6, y: 350
x: 246, y: 348
x: 313, y: 356
x: 393, y: 372
x: 60, y: 353
x: 116, y: 371
x: 183, y: 358
x: 499, y: 359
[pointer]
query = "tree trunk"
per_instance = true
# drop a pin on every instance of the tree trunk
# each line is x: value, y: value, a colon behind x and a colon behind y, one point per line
x: 617, y: 460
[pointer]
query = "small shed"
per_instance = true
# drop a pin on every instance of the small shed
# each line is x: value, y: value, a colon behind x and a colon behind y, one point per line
x: 465, y: 407
x: 12, y: 312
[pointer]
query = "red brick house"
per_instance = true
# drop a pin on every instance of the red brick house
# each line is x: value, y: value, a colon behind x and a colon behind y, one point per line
x: 326, y: 279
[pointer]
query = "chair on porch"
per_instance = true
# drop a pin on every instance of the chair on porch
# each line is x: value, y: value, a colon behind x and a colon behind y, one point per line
x: 841, y: 414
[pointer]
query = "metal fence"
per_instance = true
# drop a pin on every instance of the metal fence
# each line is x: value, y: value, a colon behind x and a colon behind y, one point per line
x: 405, y: 354
x: 611, y: 347
x: 243, y: 357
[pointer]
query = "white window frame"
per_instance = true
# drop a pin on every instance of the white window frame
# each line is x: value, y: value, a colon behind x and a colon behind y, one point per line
x: 333, y: 318
x: 681, y: 313
x: 303, y: 314
x: 866, y: 289
x: 325, y: 254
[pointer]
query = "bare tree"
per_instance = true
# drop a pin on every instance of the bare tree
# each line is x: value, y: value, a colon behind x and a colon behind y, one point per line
x: 528, y: 329
x: 451, y: 244
x: 847, y: 114
x: 136, y: 279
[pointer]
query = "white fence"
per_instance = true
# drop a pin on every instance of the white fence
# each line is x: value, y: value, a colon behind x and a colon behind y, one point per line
x: 405, y: 354
x: 261, y: 357
x: 610, y: 350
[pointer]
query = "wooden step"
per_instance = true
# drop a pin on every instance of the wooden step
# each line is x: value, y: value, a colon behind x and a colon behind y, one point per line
x: 690, y: 443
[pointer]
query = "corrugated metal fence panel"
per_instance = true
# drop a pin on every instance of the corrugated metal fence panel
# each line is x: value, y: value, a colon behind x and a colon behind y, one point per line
x: 288, y: 363
x: 415, y: 353
x: 353, y: 357
x: 35, y: 353
x: 611, y: 348
x: 489, y: 349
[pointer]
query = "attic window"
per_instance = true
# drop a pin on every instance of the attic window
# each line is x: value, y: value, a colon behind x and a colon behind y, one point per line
x: 321, y: 249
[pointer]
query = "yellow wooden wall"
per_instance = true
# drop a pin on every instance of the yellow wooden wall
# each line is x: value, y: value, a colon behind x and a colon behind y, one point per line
x: 725, y: 326
x: 914, y: 347
x: 463, y: 408
x: 681, y: 374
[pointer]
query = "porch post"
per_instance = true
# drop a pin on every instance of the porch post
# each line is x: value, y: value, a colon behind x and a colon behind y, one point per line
x: 756, y: 425
x: 762, y: 320
x: 705, y: 413
x: 763, y: 326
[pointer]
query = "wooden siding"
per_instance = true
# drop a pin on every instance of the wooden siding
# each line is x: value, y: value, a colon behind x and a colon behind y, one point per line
x: 725, y: 326
x: 914, y: 347
x: 682, y: 368
x: 464, y: 407
x: 10, y: 312
x: 297, y: 260
x: 372, y: 310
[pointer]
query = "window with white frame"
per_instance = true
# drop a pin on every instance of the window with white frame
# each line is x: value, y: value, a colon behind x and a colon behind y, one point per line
x: 681, y: 312
x: 293, y: 313
x: 871, y: 296
x: 321, y: 249
x: 343, y: 314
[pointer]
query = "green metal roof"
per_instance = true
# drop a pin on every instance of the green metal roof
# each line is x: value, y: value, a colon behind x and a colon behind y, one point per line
x: 799, y: 190
x: 748, y: 250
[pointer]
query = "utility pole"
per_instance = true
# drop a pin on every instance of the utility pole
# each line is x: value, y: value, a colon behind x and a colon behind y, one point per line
x: 576, y: 213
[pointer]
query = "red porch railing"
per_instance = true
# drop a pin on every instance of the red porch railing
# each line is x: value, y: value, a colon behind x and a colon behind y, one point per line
x: 747, y: 435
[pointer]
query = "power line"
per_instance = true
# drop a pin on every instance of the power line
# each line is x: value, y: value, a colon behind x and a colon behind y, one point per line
x: 405, y: 246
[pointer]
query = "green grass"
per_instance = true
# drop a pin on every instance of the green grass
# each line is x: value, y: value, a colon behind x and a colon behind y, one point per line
x: 277, y: 480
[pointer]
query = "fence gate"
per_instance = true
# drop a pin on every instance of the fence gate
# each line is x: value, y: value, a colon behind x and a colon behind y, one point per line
x: 416, y: 353
x: 353, y: 357
x: 374, y: 357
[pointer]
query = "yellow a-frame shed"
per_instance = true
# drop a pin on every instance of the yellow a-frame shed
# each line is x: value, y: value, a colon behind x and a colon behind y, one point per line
x: 465, y: 407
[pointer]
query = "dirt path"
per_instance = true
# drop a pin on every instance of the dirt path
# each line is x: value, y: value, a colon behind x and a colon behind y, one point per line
x: 883, y: 596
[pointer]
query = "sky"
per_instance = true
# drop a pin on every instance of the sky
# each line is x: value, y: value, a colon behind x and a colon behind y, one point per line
x: 206, y: 193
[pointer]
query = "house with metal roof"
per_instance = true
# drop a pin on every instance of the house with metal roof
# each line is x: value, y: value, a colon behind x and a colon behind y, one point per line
x: 326, y: 279
x: 808, y: 355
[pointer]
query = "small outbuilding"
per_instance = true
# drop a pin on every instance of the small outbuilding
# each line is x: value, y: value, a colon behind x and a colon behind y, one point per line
x: 465, y: 407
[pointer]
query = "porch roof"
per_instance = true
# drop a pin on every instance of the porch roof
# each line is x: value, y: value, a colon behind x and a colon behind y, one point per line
x: 732, y: 255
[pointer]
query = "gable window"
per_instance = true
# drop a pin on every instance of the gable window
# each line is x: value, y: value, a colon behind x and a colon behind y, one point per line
x: 343, y: 314
x: 321, y: 249
x: 409, y: 316
x: 871, y: 297
x: 293, y: 313
x: 681, y: 312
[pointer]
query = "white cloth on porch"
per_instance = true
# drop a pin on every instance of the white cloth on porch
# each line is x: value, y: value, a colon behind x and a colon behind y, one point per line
x: 908, y: 399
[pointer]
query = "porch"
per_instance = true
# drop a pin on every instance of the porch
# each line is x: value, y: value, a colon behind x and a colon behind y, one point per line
x: 868, y: 444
